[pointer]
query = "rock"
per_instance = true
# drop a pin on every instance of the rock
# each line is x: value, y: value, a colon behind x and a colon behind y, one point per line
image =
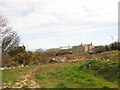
x: 56, y: 61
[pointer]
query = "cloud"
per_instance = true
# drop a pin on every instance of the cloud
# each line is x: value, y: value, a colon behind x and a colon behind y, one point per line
x: 61, y: 18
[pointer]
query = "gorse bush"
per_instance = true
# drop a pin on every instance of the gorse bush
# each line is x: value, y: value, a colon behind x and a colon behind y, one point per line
x: 27, y: 58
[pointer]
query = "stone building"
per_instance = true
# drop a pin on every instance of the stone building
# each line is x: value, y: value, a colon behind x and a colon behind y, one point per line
x: 82, y: 48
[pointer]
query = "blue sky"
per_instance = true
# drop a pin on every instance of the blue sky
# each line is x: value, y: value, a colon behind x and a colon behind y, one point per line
x: 54, y: 23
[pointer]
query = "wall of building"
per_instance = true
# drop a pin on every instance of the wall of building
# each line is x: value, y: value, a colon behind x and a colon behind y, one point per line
x: 77, y: 49
x: 81, y: 48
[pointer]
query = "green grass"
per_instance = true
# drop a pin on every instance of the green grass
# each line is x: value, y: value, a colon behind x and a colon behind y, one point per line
x: 25, y: 86
x: 75, y: 76
x: 10, y: 76
x: 108, y: 69
x: 114, y: 55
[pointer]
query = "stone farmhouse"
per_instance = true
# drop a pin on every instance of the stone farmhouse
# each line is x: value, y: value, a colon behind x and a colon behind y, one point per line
x: 83, y: 48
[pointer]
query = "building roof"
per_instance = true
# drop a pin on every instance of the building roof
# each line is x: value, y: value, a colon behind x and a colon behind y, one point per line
x: 83, y: 45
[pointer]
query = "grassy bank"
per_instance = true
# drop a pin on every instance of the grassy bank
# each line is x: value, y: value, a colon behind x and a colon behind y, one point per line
x: 99, y: 75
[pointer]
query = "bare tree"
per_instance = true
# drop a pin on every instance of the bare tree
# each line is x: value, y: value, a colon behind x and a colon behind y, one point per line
x: 9, y: 38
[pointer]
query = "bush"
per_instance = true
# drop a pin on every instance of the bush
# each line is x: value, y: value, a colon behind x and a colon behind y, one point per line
x: 100, y: 49
x: 8, y: 61
x: 16, y: 50
x: 27, y: 58
x: 112, y: 46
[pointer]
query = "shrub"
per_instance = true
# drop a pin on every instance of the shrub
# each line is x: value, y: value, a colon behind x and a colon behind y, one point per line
x: 16, y: 50
x: 8, y: 61
x: 26, y: 58
x: 99, y: 49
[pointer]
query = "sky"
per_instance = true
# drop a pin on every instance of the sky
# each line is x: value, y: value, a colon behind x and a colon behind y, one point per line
x: 55, y: 23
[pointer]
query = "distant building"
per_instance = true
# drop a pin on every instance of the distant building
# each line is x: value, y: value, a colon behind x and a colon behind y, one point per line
x: 82, y: 48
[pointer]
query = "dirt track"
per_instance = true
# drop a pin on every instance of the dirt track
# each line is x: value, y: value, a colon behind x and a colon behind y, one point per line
x: 28, y: 80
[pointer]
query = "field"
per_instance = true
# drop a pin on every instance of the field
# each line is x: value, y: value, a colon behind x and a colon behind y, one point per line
x: 95, y: 73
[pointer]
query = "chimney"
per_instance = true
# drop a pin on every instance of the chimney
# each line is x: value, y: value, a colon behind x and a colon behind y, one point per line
x: 81, y: 44
x: 91, y: 43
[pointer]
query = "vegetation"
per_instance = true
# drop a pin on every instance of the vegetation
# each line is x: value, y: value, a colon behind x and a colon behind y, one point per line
x: 17, y: 55
x: 9, y: 39
x: 76, y: 76
x: 11, y: 76
x: 93, y: 73
x: 112, y: 46
x: 107, y: 69
x: 16, y: 50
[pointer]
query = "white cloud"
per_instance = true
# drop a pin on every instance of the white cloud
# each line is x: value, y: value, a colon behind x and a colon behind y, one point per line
x: 63, y: 17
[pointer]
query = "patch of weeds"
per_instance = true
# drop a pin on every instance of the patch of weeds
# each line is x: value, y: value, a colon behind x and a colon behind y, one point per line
x: 26, y: 82
x: 40, y: 76
x: 18, y: 85
x: 21, y: 79
x: 75, y: 80
x: 89, y: 80
x: 105, y: 87
x: 51, y: 73
x: 17, y: 81
x: 81, y: 77
x: 61, y: 85
x: 25, y: 86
